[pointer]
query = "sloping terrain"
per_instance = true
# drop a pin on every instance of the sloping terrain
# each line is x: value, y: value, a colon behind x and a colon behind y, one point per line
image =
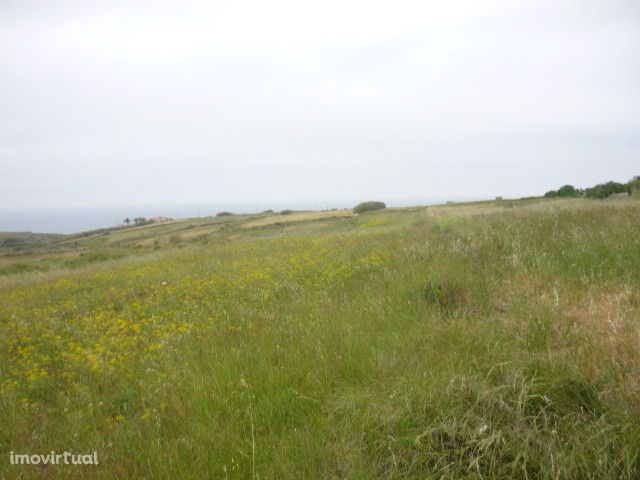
x: 486, y: 340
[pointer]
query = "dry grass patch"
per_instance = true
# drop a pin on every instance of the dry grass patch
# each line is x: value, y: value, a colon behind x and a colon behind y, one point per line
x: 609, y: 319
x: 297, y: 217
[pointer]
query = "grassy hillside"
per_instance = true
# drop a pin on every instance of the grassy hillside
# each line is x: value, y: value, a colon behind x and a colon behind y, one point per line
x: 485, y: 340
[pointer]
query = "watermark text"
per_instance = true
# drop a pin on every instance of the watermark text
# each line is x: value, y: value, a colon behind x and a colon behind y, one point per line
x: 53, y: 458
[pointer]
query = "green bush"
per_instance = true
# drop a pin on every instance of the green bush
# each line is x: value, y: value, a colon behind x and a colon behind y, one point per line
x: 286, y: 212
x: 564, y: 191
x: 368, y: 207
x: 604, y: 190
x: 224, y: 214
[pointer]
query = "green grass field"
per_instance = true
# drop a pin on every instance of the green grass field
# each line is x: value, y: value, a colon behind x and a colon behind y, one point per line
x: 483, y: 340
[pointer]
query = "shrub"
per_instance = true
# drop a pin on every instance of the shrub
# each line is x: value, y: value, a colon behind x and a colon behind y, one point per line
x: 447, y: 296
x: 224, y: 214
x: 286, y: 212
x: 564, y: 191
x: 604, y: 190
x: 368, y: 207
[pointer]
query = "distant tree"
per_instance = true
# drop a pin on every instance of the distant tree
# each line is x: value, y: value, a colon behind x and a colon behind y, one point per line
x: 139, y: 220
x: 568, y: 191
x: 286, y: 212
x: 604, y: 190
x: 127, y: 221
x: 368, y: 207
x: 564, y: 191
x: 224, y: 214
x: 634, y: 184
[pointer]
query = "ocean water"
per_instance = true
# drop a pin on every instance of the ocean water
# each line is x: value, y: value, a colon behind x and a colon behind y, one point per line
x: 79, y: 219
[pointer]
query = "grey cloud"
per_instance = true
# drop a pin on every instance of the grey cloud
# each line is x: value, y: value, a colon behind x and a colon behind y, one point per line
x: 122, y: 103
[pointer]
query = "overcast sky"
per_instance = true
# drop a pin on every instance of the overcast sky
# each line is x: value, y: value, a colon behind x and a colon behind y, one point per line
x: 117, y: 103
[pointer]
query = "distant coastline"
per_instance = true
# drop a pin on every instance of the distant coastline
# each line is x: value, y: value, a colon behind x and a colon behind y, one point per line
x: 78, y: 219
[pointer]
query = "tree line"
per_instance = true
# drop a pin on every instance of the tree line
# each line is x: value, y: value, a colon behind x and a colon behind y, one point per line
x: 139, y: 221
x: 599, y: 191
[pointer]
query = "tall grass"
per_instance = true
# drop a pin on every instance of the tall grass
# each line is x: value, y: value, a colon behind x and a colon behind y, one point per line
x: 494, y: 346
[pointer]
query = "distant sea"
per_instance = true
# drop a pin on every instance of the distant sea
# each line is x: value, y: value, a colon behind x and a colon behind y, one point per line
x: 78, y: 219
